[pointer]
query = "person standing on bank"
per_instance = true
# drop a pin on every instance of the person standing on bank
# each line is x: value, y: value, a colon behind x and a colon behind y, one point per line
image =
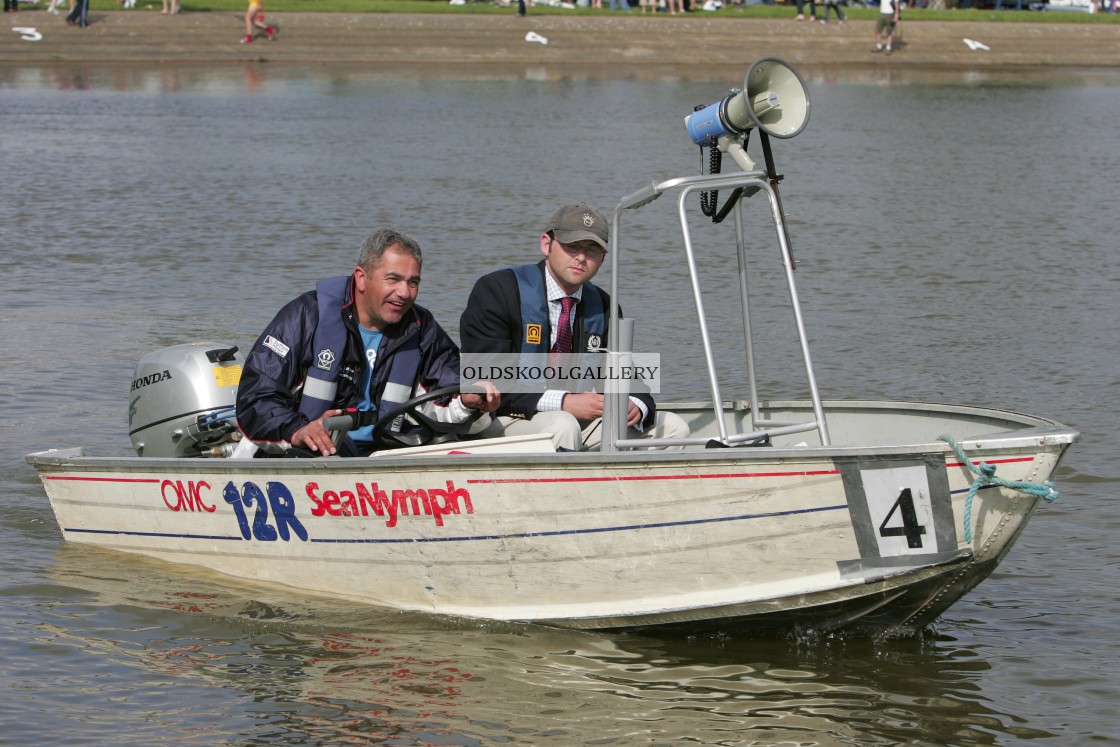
x: 885, y: 24
x: 355, y: 341
x: 801, y: 10
x: 79, y: 14
x: 553, y: 307
x: 831, y: 5
x: 254, y: 19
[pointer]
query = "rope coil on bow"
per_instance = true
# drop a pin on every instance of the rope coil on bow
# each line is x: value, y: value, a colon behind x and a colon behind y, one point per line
x: 986, y: 475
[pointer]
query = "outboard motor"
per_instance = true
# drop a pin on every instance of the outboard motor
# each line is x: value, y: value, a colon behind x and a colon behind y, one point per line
x: 182, y: 401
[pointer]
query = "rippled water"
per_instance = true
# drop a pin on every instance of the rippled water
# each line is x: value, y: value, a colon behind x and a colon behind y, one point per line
x: 956, y: 242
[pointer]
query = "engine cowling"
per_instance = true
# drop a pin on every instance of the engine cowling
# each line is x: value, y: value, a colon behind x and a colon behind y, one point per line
x: 182, y: 400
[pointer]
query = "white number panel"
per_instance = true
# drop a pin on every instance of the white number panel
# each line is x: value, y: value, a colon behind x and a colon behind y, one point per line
x: 901, y: 511
x: 899, y: 504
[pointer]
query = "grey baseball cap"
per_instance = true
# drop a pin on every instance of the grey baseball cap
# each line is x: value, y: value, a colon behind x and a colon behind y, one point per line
x: 579, y: 222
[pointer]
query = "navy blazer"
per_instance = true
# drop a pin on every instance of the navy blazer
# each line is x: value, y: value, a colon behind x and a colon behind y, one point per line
x: 491, y: 323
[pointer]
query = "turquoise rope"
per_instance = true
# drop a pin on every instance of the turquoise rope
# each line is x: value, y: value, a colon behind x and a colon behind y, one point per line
x: 986, y: 475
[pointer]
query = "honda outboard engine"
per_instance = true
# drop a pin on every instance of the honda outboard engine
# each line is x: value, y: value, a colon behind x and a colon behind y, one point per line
x: 182, y: 401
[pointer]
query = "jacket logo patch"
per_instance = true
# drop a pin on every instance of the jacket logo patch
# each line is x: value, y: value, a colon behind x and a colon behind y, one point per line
x: 594, y: 343
x: 276, y: 346
x: 325, y: 359
x: 533, y: 334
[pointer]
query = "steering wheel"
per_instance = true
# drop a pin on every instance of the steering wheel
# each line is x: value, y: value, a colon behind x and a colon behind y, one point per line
x: 427, y: 430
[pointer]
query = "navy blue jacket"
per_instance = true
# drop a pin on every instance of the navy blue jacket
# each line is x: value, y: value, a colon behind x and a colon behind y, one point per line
x: 269, y: 393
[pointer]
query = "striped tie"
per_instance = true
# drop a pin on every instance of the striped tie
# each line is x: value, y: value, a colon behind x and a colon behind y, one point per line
x: 564, y: 327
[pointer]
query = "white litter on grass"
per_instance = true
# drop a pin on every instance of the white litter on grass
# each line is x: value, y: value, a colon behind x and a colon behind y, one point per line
x: 28, y: 33
x: 975, y: 45
x: 533, y: 36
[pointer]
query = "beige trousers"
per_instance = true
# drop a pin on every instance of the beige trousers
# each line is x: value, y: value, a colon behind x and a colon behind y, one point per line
x: 568, y: 433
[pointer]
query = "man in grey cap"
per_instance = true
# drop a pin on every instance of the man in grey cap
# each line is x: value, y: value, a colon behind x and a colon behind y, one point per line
x: 553, y: 308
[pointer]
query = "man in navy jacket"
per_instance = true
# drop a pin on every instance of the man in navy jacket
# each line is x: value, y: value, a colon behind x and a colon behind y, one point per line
x: 520, y: 309
x: 355, y: 341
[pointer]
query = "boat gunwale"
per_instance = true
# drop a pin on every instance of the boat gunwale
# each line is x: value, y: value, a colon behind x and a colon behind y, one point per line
x: 1036, y: 432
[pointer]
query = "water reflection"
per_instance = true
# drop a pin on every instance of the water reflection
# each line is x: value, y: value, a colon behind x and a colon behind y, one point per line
x: 314, y: 666
x: 257, y: 78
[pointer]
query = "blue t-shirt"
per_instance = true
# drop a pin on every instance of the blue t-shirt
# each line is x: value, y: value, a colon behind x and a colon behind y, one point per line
x: 371, y: 339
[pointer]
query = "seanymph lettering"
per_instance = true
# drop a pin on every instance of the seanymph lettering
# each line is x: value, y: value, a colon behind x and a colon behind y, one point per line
x: 363, y: 501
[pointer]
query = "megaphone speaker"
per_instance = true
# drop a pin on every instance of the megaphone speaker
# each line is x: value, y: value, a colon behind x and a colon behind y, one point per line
x: 773, y: 99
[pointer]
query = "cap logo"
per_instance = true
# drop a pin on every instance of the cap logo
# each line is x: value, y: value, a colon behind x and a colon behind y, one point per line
x: 588, y: 220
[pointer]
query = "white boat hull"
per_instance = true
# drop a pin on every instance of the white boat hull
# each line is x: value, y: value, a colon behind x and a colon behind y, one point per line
x: 868, y: 531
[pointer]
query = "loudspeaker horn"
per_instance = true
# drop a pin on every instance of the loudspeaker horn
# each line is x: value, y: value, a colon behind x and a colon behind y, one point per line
x: 778, y: 101
x: 773, y: 99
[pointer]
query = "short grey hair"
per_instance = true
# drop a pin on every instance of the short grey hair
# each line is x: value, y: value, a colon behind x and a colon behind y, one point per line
x: 376, y: 244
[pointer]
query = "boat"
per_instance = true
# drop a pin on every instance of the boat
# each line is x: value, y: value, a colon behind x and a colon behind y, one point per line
x: 795, y: 515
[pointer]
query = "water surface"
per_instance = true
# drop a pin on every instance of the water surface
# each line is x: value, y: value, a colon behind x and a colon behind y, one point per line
x: 955, y: 241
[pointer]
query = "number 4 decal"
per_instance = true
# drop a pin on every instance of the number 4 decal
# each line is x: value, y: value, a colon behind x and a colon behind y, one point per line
x: 900, y: 508
x: 898, y: 501
x: 911, y: 529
